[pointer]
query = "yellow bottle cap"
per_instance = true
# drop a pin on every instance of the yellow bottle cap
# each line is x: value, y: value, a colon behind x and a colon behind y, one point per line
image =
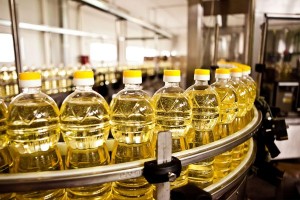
x: 30, y: 76
x: 202, y: 71
x: 202, y: 74
x: 30, y: 79
x: 82, y: 74
x: 83, y: 77
x: 132, y: 73
x: 132, y: 76
x: 222, y: 73
x: 171, y: 72
x: 172, y: 76
x: 236, y: 72
x: 246, y: 69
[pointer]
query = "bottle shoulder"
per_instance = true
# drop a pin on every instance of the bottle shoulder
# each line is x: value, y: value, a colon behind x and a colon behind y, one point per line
x: 28, y: 99
x: 134, y: 94
x: 85, y: 101
x: 32, y: 107
x: 85, y: 96
x: 170, y: 90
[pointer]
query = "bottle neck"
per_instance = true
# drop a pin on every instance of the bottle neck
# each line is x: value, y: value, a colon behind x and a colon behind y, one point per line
x: 245, y: 75
x: 84, y: 87
x: 222, y: 80
x: 31, y: 90
x: 235, y: 78
x: 172, y: 84
x: 132, y: 86
x: 201, y: 82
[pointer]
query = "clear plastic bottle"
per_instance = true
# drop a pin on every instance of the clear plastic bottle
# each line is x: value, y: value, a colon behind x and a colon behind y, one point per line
x: 205, y: 113
x: 33, y: 130
x: 132, y: 123
x: 5, y: 157
x: 228, y: 111
x: 251, y: 85
x: 173, y: 111
x: 239, y: 121
x: 84, y: 118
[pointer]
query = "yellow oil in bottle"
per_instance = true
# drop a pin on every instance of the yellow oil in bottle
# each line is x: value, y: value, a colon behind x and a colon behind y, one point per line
x: 251, y: 85
x: 134, y: 188
x: 205, y: 113
x: 5, y: 157
x: 132, y: 123
x: 84, y: 118
x: 85, y: 128
x: 222, y: 164
x: 33, y: 141
x: 228, y: 111
x: 173, y: 113
x: 243, y: 103
x: 33, y: 130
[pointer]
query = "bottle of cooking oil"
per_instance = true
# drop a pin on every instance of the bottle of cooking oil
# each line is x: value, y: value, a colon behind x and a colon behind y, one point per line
x: 243, y: 97
x: 33, y: 131
x: 228, y: 111
x: 132, y: 124
x: 251, y: 85
x: 173, y: 111
x: 239, y: 122
x: 84, y: 118
x: 5, y: 157
x: 205, y: 113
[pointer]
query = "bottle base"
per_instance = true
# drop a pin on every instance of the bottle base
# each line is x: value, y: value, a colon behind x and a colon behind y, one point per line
x: 134, y: 189
x: 201, y: 174
x: 44, y: 194
x: 7, y: 196
x: 94, y: 192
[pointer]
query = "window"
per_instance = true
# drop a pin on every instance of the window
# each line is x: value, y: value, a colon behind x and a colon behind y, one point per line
x: 103, y: 52
x: 6, y: 48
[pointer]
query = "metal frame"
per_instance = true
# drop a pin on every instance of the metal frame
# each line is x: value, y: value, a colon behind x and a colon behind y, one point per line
x: 52, y: 29
x: 15, y: 33
x: 235, y: 176
x: 96, y: 175
x: 105, y: 7
x: 264, y: 36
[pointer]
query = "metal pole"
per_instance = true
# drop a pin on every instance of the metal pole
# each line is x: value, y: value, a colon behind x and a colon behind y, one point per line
x: 163, y: 155
x: 15, y: 34
x: 264, y: 32
x: 248, y: 37
x: 121, y: 33
x: 195, y: 39
x: 263, y: 42
x: 47, y: 43
x: 156, y: 57
x: 64, y: 24
x: 217, y: 33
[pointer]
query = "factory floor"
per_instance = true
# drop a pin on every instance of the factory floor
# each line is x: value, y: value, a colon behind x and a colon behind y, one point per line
x: 260, y: 189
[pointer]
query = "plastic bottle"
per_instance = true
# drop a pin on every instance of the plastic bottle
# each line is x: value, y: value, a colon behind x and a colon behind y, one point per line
x: 33, y: 130
x: 173, y: 113
x: 251, y: 85
x: 205, y: 113
x: 132, y: 123
x: 239, y: 121
x: 228, y: 111
x: 84, y: 117
x: 5, y: 157
x: 246, y: 78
